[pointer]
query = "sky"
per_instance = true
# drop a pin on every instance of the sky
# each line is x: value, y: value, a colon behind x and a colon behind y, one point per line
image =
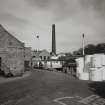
x: 25, y: 19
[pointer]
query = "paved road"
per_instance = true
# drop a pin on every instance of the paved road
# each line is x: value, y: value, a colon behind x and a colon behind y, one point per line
x: 43, y: 88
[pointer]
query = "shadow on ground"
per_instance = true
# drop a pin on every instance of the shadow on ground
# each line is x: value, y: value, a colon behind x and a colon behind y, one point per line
x: 98, y: 88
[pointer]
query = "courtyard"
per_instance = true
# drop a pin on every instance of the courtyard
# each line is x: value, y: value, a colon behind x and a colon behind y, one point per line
x: 48, y: 88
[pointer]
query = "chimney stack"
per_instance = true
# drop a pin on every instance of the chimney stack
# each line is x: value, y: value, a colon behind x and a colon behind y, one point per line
x: 53, y: 40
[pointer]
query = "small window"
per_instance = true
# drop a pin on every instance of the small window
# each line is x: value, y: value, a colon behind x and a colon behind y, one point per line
x: 40, y: 57
x: 44, y: 57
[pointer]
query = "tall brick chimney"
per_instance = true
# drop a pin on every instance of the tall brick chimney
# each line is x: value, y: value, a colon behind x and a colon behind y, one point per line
x: 53, y: 40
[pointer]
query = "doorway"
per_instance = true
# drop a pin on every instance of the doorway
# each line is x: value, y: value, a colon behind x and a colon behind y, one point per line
x: 26, y: 65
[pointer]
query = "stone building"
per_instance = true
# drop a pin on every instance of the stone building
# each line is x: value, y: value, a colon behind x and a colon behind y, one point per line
x: 39, y: 56
x: 42, y: 55
x: 11, y: 54
x: 28, y: 58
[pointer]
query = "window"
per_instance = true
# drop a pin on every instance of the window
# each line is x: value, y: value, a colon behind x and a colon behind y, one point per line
x: 44, y: 57
x: 48, y: 58
x: 40, y: 57
x: 34, y: 56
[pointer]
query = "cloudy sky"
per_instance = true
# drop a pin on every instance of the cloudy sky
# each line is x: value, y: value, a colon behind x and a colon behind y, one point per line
x: 27, y: 18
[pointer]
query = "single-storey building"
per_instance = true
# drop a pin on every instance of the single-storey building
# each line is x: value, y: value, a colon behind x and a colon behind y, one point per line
x: 39, y: 56
x: 43, y: 54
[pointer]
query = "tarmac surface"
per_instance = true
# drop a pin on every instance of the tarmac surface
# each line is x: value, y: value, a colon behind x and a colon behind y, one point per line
x: 5, y: 79
x: 51, y: 88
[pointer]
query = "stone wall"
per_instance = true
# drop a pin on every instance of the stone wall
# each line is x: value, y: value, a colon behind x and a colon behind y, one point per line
x: 16, y: 60
x: 12, y: 60
x: 11, y: 53
x: 28, y: 58
x: 28, y: 53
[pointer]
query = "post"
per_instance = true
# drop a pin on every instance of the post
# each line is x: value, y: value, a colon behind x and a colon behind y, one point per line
x: 83, y: 45
x: 83, y: 51
x: 38, y: 42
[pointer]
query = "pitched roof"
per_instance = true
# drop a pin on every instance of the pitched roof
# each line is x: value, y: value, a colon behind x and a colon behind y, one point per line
x: 2, y: 29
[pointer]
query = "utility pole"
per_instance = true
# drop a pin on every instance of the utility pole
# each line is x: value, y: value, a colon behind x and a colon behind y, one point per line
x: 83, y: 51
x: 83, y: 45
x: 37, y: 36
